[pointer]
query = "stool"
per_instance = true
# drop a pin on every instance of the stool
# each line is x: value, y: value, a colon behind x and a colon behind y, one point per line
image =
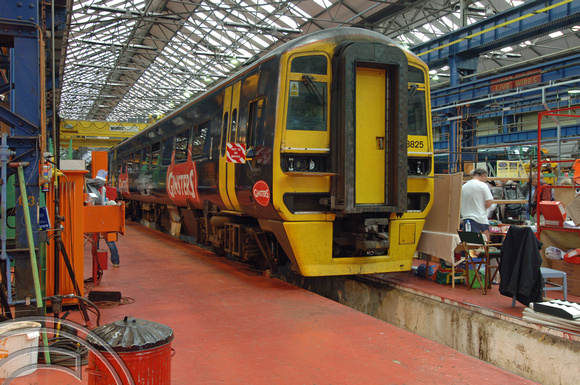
x: 551, y: 273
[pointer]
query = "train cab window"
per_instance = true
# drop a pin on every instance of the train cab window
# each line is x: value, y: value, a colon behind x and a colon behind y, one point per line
x: 308, y: 94
x: 256, y: 118
x: 416, y: 75
x: 224, y: 133
x: 314, y: 64
x: 155, y: 155
x: 167, y: 151
x: 181, y: 141
x: 417, y: 114
x: 307, y: 105
x: 198, y: 140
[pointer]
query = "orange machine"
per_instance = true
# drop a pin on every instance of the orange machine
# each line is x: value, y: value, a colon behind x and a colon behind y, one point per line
x: 78, y: 219
x: 70, y: 191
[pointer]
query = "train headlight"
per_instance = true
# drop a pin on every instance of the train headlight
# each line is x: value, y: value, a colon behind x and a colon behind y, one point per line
x: 418, y: 166
x: 300, y: 163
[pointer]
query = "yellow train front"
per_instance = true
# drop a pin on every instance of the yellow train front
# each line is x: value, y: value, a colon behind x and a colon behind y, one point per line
x: 319, y: 154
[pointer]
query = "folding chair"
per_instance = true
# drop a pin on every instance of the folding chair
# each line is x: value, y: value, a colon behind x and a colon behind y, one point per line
x: 471, y: 242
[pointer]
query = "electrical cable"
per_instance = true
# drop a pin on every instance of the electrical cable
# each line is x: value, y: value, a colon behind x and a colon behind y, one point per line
x: 67, y: 360
x: 91, y: 304
x: 111, y: 304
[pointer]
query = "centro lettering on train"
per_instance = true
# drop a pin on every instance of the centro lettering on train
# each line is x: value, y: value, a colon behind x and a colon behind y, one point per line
x: 181, y: 185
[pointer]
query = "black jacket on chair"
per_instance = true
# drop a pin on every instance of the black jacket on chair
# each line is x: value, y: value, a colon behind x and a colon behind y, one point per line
x: 519, y: 266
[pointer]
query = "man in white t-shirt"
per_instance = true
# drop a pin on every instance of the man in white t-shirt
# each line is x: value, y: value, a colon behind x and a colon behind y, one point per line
x: 475, y: 200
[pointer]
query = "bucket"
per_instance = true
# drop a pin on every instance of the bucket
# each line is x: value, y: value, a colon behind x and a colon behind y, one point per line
x: 18, y: 348
x: 143, y: 346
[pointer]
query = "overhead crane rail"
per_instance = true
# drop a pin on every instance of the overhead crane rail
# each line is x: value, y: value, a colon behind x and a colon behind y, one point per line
x: 97, y: 133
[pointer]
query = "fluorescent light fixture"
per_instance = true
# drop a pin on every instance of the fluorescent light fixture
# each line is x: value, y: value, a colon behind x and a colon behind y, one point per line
x: 574, y: 91
x: 556, y: 34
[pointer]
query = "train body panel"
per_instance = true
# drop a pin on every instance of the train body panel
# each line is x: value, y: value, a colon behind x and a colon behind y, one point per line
x: 320, y: 154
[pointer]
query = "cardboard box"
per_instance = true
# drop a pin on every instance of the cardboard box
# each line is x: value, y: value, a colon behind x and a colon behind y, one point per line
x: 573, y: 286
x: 572, y: 270
x: 554, y: 213
x: 573, y: 210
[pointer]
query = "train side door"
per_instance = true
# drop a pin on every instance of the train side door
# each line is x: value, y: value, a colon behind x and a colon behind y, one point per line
x: 227, y: 168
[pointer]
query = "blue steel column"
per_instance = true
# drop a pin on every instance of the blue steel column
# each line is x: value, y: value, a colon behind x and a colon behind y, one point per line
x: 25, y: 102
x: 20, y: 35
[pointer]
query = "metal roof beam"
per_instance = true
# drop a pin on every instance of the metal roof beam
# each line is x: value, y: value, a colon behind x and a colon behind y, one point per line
x: 523, y: 22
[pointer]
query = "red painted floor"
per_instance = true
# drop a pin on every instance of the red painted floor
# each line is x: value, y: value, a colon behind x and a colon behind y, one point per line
x: 235, y: 326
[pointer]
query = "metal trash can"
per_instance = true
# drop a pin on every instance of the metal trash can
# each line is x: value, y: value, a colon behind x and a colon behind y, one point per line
x: 144, y: 347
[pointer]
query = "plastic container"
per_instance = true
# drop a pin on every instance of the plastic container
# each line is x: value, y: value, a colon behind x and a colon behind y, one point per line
x: 18, y: 348
x: 144, y: 347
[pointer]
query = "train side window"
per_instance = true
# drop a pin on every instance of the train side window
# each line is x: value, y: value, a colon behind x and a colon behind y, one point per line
x: 137, y: 162
x: 233, y: 125
x: 198, y: 140
x: 146, y: 157
x: 155, y: 155
x: 167, y: 151
x: 224, y: 133
x: 181, y: 141
x: 255, y: 131
x: 130, y: 160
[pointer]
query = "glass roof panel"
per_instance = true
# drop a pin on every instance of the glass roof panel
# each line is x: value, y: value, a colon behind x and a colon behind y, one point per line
x: 185, y: 45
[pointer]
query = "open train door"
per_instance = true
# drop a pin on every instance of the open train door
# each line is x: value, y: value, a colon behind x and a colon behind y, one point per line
x: 371, y: 139
x: 231, y: 152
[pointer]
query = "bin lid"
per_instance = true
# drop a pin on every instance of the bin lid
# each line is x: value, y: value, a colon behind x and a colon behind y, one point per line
x: 132, y: 334
x: 18, y: 327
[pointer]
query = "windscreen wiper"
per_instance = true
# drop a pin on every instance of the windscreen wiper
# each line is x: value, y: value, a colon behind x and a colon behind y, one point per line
x: 309, y: 83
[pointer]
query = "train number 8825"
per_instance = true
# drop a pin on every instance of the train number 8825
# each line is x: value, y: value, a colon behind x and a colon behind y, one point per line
x: 415, y: 144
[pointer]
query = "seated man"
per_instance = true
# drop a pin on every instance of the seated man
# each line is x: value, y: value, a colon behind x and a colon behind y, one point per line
x: 531, y: 190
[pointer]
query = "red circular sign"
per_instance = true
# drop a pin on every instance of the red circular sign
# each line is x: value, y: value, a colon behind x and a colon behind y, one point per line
x: 261, y: 193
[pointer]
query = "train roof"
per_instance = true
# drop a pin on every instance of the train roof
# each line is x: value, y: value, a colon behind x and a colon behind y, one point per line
x: 336, y: 35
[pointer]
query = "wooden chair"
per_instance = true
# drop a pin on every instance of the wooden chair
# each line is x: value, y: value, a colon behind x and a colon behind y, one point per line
x: 454, y: 270
x: 472, y: 241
